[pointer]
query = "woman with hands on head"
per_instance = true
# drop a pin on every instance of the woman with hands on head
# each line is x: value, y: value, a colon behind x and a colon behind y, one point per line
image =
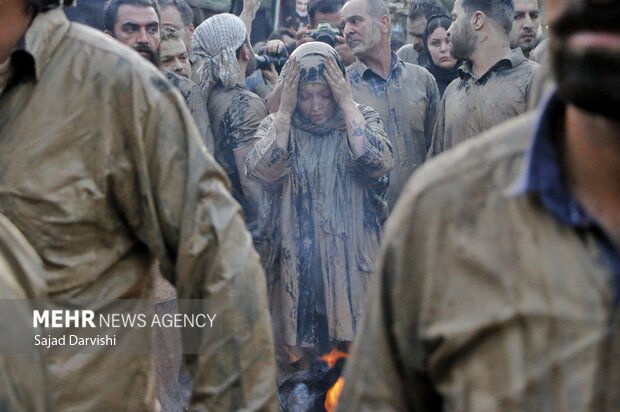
x: 323, y: 160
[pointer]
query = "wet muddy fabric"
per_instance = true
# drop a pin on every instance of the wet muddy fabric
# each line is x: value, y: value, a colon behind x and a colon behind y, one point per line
x: 408, y: 54
x: 103, y: 171
x: 23, y: 381
x: 407, y: 103
x: 471, y: 106
x: 236, y: 114
x: 489, y: 302
x: 197, y: 104
x: 322, y: 227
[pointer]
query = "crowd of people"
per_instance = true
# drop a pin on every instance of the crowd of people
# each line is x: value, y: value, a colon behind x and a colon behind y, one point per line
x: 166, y: 155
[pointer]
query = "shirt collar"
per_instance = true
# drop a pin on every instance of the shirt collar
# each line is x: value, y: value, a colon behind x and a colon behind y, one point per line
x: 34, y: 53
x: 510, y: 60
x: 542, y: 174
x: 395, y: 67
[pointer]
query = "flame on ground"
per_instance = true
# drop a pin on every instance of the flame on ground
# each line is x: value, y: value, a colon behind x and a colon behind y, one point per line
x: 332, y: 357
x: 331, y: 399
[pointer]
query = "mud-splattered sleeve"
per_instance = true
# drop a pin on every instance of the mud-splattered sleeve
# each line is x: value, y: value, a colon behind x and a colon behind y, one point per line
x: 198, y: 107
x: 267, y: 162
x: 437, y: 144
x: 430, y: 119
x: 377, y: 159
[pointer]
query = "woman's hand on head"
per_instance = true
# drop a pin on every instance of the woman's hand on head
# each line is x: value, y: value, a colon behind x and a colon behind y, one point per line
x: 341, y: 89
x: 288, y: 98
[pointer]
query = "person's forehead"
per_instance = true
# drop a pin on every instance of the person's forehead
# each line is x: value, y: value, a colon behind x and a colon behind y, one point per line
x: 136, y: 14
x: 172, y: 48
x: 301, y: 2
x: 354, y: 8
x: 331, y: 18
x: 313, y: 87
x: 438, y: 33
x: 170, y: 16
x: 525, y: 5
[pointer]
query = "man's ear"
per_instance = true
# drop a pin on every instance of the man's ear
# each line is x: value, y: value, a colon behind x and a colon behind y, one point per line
x: 245, y: 53
x: 477, y: 20
x: 385, y: 23
x: 191, y: 29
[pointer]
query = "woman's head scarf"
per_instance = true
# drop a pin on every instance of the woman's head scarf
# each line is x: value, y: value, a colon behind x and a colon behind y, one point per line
x: 216, y: 41
x: 312, y: 57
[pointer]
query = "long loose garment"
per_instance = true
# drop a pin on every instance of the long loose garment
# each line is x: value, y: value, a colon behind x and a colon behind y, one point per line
x: 324, y: 226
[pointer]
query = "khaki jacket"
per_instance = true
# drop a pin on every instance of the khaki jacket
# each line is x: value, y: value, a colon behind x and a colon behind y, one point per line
x: 104, y: 171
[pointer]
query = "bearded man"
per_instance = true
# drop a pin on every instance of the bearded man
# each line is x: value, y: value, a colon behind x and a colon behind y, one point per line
x: 494, y: 82
x: 135, y: 23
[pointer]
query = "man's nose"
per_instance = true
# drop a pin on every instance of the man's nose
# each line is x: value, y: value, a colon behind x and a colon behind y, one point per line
x: 142, y: 36
x: 177, y: 67
x: 527, y: 22
x: 348, y: 30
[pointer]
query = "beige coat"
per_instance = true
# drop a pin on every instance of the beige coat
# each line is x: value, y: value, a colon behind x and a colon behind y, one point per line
x: 104, y: 171
x: 485, y: 302
x: 23, y: 380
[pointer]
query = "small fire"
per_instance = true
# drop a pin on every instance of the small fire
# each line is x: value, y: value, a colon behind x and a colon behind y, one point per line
x: 332, y: 357
x: 331, y: 399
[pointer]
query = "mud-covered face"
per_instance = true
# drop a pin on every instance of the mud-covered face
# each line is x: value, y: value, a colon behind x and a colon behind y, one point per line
x: 362, y: 32
x: 316, y: 102
x: 173, y: 57
x: 585, y: 53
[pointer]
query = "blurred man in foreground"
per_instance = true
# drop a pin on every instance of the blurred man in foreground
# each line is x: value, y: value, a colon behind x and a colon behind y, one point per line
x: 103, y: 172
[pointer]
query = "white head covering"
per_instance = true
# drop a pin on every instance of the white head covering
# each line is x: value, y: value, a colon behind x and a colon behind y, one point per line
x: 216, y: 41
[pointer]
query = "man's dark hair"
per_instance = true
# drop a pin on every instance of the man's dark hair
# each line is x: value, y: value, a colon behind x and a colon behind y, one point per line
x: 110, y: 10
x: 426, y: 9
x: 322, y: 6
x: 501, y: 11
x: 186, y: 13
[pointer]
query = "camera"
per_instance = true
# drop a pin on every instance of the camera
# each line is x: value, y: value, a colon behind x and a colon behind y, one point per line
x: 325, y: 33
x: 264, y: 62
